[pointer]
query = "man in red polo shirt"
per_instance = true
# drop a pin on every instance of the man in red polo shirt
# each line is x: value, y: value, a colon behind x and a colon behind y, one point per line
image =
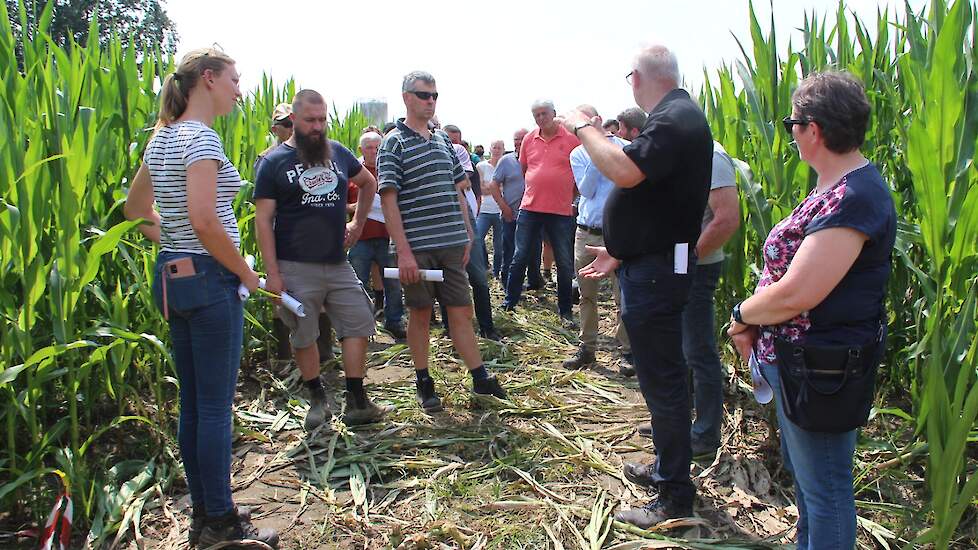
x: 546, y: 206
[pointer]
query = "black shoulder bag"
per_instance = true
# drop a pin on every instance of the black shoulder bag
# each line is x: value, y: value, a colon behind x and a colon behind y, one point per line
x: 828, y: 388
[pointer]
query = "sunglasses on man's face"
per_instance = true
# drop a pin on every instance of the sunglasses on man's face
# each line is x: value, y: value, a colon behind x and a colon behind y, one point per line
x: 425, y: 96
x: 285, y: 123
x: 789, y: 123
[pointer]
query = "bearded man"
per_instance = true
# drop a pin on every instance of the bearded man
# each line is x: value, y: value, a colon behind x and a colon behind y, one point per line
x: 300, y: 202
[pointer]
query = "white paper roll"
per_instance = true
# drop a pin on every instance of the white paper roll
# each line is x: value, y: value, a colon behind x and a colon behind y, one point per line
x: 293, y: 305
x: 434, y: 275
x: 243, y: 291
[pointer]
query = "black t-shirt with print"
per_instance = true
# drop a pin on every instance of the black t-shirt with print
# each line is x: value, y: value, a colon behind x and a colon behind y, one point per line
x: 310, y: 209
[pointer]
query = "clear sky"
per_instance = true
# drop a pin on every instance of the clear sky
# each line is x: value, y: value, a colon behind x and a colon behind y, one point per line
x: 491, y: 60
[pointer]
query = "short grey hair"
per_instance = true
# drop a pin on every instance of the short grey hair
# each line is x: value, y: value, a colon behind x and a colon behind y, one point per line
x: 370, y: 136
x: 415, y: 76
x: 658, y: 63
x: 543, y: 103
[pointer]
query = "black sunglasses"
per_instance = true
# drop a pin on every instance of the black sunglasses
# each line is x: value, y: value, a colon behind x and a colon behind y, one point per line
x: 425, y: 96
x: 284, y: 123
x: 789, y: 123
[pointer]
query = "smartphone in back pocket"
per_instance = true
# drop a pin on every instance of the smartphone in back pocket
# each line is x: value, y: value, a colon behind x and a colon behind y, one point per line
x: 179, y: 268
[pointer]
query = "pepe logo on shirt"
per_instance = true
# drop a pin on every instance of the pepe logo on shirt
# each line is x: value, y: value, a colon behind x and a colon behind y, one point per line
x: 319, y: 184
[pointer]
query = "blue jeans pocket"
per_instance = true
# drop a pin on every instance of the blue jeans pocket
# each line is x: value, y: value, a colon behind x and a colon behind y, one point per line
x: 187, y: 294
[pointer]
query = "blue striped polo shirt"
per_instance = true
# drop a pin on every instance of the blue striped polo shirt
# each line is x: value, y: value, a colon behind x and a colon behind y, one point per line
x: 424, y: 173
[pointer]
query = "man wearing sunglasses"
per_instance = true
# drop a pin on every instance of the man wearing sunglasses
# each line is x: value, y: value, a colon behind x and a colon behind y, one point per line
x: 652, y: 223
x: 421, y: 183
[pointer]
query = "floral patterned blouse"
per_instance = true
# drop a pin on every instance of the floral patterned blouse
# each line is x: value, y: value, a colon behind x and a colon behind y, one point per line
x: 852, y: 312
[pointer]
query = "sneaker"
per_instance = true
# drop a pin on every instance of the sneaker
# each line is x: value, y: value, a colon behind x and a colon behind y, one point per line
x: 396, y: 330
x: 318, y: 413
x: 645, y: 430
x: 488, y: 386
x: 627, y: 365
x: 363, y: 411
x: 235, y: 530
x: 567, y: 320
x: 197, y: 521
x: 427, y: 397
x: 584, y: 357
x: 491, y: 334
x: 653, y: 513
x: 642, y: 474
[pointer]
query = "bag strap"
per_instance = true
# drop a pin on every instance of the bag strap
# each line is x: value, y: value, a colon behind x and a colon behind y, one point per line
x: 853, y: 358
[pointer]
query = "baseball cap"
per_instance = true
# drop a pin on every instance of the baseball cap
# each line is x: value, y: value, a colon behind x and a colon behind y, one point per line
x: 281, y: 112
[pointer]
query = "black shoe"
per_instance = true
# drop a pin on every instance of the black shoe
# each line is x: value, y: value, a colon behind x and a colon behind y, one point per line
x: 703, y: 451
x: 653, y: 513
x: 509, y: 307
x: 642, y: 474
x: 427, y: 397
x: 567, y: 320
x: 547, y: 274
x: 491, y: 334
x: 645, y: 430
x: 576, y: 295
x: 627, y: 366
x: 235, y: 529
x: 488, y: 386
x: 584, y: 357
x: 363, y: 411
x: 197, y: 521
x: 318, y: 413
x: 396, y: 330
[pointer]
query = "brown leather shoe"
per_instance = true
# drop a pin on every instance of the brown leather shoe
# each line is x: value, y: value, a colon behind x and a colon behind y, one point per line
x: 653, y: 513
x: 642, y: 474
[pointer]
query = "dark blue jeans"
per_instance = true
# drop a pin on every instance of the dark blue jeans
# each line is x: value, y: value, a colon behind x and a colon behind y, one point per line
x: 482, y: 224
x: 367, y: 252
x: 700, y: 350
x: 533, y: 276
x: 652, y: 302
x: 206, y: 326
x: 530, y: 227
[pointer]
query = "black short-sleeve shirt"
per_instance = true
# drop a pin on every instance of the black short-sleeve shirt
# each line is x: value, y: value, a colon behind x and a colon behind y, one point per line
x: 675, y: 152
x: 310, y: 204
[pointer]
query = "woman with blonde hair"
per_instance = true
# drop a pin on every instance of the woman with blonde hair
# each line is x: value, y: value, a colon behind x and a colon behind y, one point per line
x: 188, y: 177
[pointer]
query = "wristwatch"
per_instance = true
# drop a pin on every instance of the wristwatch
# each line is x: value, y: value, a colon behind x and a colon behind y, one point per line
x: 736, y: 314
x: 580, y: 125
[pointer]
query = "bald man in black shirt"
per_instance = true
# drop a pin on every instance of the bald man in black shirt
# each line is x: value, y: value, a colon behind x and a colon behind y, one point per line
x: 652, y: 221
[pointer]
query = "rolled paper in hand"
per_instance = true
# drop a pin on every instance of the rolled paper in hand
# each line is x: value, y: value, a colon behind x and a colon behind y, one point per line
x: 243, y: 291
x: 763, y: 392
x: 434, y: 275
x: 293, y: 305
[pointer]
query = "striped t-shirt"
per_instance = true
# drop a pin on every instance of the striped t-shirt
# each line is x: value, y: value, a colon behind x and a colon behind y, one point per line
x: 169, y: 153
x: 424, y: 173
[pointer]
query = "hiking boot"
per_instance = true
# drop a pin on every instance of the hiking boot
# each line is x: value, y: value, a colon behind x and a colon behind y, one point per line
x: 488, y: 386
x: 645, y: 430
x: 653, y: 513
x: 627, y: 366
x: 427, y: 397
x: 197, y: 521
x: 567, y: 320
x: 491, y: 334
x: 704, y: 451
x: 363, y: 410
x: 235, y: 530
x: 396, y: 330
x: 584, y: 357
x: 318, y: 413
x: 642, y: 474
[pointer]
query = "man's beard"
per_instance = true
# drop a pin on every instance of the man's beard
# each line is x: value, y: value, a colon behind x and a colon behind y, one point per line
x: 313, y: 150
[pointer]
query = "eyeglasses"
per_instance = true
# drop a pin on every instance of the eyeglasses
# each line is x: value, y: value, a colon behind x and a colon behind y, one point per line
x: 789, y: 123
x: 284, y: 123
x: 628, y: 77
x: 425, y: 96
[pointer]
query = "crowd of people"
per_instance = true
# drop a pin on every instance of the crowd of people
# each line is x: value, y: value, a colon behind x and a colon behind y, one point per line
x: 647, y: 200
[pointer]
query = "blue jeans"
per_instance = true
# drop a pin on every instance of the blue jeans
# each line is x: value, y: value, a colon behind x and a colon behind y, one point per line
x: 206, y: 327
x: 367, y: 252
x: 482, y: 224
x: 533, y: 276
x: 821, y: 464
x: 652, y: 302
x: 530, y: 226
x: 700, y: 350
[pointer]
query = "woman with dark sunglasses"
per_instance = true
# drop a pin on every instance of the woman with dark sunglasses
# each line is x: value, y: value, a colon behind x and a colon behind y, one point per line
x: 822, y: 289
